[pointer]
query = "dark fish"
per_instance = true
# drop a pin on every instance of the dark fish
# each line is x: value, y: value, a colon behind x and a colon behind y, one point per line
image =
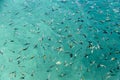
x: 11, y: 23
x: 84, y: 35
x: 15, y: 29
x: 32, y: 57
x: 5, y: 43
x: 16, y: 13
x: 25, y: 48
x: 49, y: 70
x: 62, y: 22
x: 36, y: 46
x: 74, y: 41
x: 104, y: 31
x: 71, y: 55
x: 27, y: 44
x: 11, y: 40
x: 22, y: 77
x: 49, y: 39
x: 18, y: 57
x: 70, y: 35
x: 32, y: 74
x: 86, y: 55
x: 18, y: 61
x: 63, y: 1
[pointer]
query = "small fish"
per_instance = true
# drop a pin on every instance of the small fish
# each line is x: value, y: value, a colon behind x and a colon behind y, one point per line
x: 62, y: 22
x: 63, y: 1
x: 60, y: 49
x: 44, y: 58
x: 36, y: 46
x: 27, y: 44
x: 101, y: 65
x: 5, y: 43
x: 12, y: 74
x: 84, y: 35
x: 118, y: 68
x: 62, y: 74
x: 18, y: 62
x: 1, y: 52
x: 92, y: 62
x: 58, y: 63
x: 25, y: 48
x: 108, y: 77
x: 49, y: 38
x: 88, y: 70
x: 74, y: 41
x: 70, y: 35
x: 11, y: 23
x: 113, y: 59
x: 22, y: 77
x: 49, y: 70
x: 117, y: 52
x: 15, y: 29
x: 11, y: 40
x: 71, y: 55
x: 10, y: 60
x: 71, y: 45
x: 18, y: 57
x: 32, y: 74
x: 105, y: 32
x: 32, y: 57
x: 16, y: 13
x: 86, y: 55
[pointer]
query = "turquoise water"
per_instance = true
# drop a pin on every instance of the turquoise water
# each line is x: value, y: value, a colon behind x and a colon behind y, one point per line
x: 59, y: 39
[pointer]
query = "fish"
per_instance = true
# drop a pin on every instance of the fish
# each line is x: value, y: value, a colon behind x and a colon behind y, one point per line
x: 25, y: 48
x: 62, y: 75
x: 36, y: 46
x: 18, y: 57
x: 1, y: 52
x: 11, y: 40
x: 32, y: 57
x: 27, y: 44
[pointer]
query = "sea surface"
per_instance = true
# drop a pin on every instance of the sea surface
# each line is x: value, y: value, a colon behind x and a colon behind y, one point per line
x: 59, y: 39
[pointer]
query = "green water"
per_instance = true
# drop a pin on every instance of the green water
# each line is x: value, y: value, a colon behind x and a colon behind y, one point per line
x: 59, y: 39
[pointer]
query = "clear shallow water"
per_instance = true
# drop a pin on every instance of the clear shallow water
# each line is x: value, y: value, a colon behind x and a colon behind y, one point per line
x: 59, y: 40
